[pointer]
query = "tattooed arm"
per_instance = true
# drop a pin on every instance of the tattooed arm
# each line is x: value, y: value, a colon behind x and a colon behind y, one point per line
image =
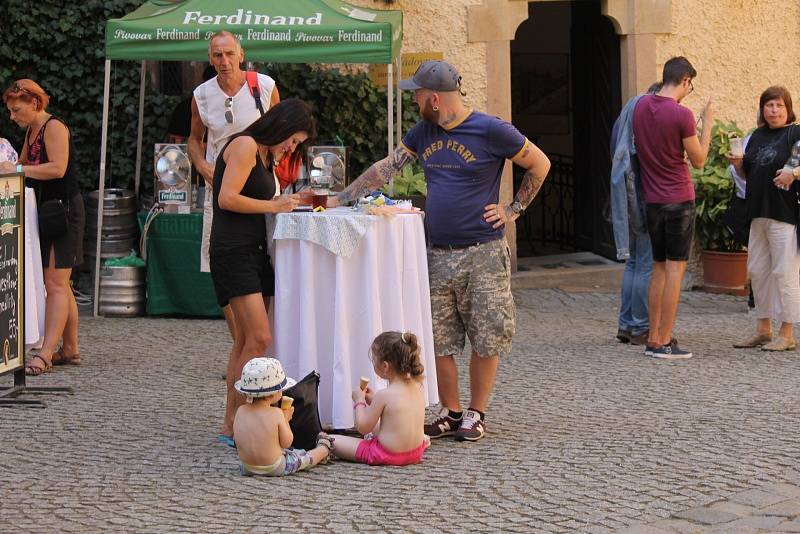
x: 537, y: 166
x: 374, y: 177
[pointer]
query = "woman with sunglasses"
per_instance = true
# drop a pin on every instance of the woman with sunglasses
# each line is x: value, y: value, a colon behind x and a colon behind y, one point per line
x: 47, y: 162
x: 244, y: 190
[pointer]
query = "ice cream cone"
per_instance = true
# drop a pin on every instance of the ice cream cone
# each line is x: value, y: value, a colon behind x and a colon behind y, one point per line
x: 363, y: 383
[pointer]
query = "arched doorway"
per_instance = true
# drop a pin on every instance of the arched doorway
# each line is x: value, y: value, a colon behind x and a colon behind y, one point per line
x: 565, y: 96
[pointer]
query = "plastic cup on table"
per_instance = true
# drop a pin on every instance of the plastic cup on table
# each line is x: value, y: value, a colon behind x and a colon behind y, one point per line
x: 319, y: 200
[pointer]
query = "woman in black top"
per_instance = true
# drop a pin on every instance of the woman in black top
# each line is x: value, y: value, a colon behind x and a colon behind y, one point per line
x: 47, y: 162
x: 244, y: 187
x: 771, y: 198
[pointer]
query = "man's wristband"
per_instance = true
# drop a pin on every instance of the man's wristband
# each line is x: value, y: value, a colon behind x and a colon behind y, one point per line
x: 362, y: 403
x: 19, y: 168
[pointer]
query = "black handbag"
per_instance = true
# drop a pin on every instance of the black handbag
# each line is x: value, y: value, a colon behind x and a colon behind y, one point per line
x: 53, y: 219
x: 305, y: 423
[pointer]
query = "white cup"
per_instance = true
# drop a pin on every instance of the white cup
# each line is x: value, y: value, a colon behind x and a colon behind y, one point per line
x: 737, y: 147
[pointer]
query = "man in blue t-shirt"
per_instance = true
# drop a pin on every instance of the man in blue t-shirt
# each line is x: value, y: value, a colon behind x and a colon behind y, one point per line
x: 462, y: 153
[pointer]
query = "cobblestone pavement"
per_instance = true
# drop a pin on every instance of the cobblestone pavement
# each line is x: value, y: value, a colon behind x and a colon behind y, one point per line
x: 586, y: 435
x: 768, y: 508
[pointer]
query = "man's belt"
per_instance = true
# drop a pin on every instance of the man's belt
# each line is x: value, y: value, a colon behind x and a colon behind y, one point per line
x: 456, y: 246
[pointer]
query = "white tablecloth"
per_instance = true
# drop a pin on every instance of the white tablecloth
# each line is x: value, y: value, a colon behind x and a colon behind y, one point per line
x: 34, y: 277
x: 329, y: 308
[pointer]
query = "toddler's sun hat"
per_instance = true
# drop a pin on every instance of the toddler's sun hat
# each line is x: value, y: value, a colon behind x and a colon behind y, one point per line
x: 262, y: 377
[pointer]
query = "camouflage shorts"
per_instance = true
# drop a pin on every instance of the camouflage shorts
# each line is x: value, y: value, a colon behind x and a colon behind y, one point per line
x: 471, y: 294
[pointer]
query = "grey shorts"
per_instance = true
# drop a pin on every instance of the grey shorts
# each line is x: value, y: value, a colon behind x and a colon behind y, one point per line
x: 292, y: 461
x: 471, y: 296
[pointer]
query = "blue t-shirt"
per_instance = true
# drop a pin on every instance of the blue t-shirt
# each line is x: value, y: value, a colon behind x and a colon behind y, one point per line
x: 462, y: 166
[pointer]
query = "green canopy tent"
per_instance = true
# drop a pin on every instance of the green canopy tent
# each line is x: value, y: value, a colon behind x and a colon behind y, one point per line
x: 281, y: 31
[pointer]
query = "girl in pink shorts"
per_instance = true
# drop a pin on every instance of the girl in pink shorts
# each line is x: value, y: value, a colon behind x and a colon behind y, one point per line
x: 393, y: 418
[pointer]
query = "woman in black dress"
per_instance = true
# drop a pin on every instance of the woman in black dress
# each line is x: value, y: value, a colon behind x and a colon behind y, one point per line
x: 244, y: 190
x: 47, y: 160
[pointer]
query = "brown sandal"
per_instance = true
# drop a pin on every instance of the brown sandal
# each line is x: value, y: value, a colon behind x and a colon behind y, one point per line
x: 36, y: 370
x: 59, y: 358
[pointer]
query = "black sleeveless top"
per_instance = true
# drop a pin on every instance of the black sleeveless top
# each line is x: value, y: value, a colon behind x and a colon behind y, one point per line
x: 230, y: 229
x: 767, y: 152
x: 63, y: 189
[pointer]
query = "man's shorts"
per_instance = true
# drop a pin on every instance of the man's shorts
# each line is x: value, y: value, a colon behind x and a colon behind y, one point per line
x: 471, y: 295
x: 671, y: 227
x: 241, y: 271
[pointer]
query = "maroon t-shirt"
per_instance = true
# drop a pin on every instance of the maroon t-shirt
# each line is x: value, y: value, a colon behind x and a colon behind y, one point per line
x: 660, y: 125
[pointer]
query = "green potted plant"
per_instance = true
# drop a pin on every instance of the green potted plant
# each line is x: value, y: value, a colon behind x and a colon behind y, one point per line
x: 410, y: 185
x: 724, y: 260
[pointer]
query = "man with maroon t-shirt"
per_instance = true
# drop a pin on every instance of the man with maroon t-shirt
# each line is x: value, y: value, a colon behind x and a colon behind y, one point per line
x: 664, y: 130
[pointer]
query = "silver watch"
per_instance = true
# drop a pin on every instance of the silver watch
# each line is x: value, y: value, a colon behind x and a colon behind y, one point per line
x: 516, y: 207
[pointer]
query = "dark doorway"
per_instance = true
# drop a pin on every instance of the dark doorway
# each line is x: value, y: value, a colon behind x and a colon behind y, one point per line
x: 565, y: 85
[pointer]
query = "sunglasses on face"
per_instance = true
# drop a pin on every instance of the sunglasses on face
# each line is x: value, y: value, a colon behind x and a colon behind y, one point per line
x: 691, y: 86
x: 229, y: 110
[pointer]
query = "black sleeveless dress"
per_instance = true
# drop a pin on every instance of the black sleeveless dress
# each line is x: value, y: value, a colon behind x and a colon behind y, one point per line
x: 238, y: 254
x: 68, y: 248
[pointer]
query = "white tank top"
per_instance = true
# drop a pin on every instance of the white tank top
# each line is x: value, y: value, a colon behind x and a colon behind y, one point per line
x: 210, y: 99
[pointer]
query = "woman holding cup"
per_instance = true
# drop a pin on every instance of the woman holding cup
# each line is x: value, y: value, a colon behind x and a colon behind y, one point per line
x: 772, y: 262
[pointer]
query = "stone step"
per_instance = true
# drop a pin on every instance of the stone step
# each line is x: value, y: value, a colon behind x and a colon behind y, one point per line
x: 579, y: 271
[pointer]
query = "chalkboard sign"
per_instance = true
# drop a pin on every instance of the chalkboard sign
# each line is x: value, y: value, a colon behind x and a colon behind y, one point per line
x: 12, y: 277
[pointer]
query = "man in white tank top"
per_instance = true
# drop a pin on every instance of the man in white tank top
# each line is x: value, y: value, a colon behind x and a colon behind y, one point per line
x: 222, y: 106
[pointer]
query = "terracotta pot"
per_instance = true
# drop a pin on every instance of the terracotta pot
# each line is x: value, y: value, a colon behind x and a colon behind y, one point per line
x: 725, y: 272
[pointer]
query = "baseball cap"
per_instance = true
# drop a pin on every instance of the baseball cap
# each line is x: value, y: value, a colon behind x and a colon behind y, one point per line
x: 435, y: 75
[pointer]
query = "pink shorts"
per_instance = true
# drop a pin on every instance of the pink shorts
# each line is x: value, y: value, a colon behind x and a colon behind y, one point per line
x: 371, y: 452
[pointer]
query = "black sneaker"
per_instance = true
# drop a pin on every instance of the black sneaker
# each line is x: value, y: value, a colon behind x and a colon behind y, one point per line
x: 670, y: 352
x: 472, y: 427
x: 442, y: 426
x: 624, y: 336
x: 648, y: 349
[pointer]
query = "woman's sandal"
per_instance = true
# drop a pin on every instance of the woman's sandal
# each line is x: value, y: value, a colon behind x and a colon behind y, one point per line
x: 59, y: 358
x: 325, y: 440
x: 36, y: 370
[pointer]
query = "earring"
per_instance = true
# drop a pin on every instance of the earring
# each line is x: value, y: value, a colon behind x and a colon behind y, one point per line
x: 435, y: 108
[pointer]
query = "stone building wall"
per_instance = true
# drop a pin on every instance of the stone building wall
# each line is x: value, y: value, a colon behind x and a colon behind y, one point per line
x: 739, y: 48
x: 441, y: 26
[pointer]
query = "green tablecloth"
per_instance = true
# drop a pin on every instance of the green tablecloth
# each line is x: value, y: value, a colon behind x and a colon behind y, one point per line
x: 175, y: 284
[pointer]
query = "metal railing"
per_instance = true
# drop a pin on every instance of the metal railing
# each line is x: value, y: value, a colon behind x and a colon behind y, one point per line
x: 549, y: 222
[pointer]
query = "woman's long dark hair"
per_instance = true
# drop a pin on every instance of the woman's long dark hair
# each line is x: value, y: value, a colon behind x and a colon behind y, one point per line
x: 282, y: 121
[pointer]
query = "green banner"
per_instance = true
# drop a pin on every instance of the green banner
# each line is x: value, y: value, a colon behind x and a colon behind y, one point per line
x: 281, y: 31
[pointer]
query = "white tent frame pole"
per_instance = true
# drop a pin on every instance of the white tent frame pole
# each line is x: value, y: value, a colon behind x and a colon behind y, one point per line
x: 101, y: 183
x: 399, y: 118
x: 139, y: 132
x: 390, y: 117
